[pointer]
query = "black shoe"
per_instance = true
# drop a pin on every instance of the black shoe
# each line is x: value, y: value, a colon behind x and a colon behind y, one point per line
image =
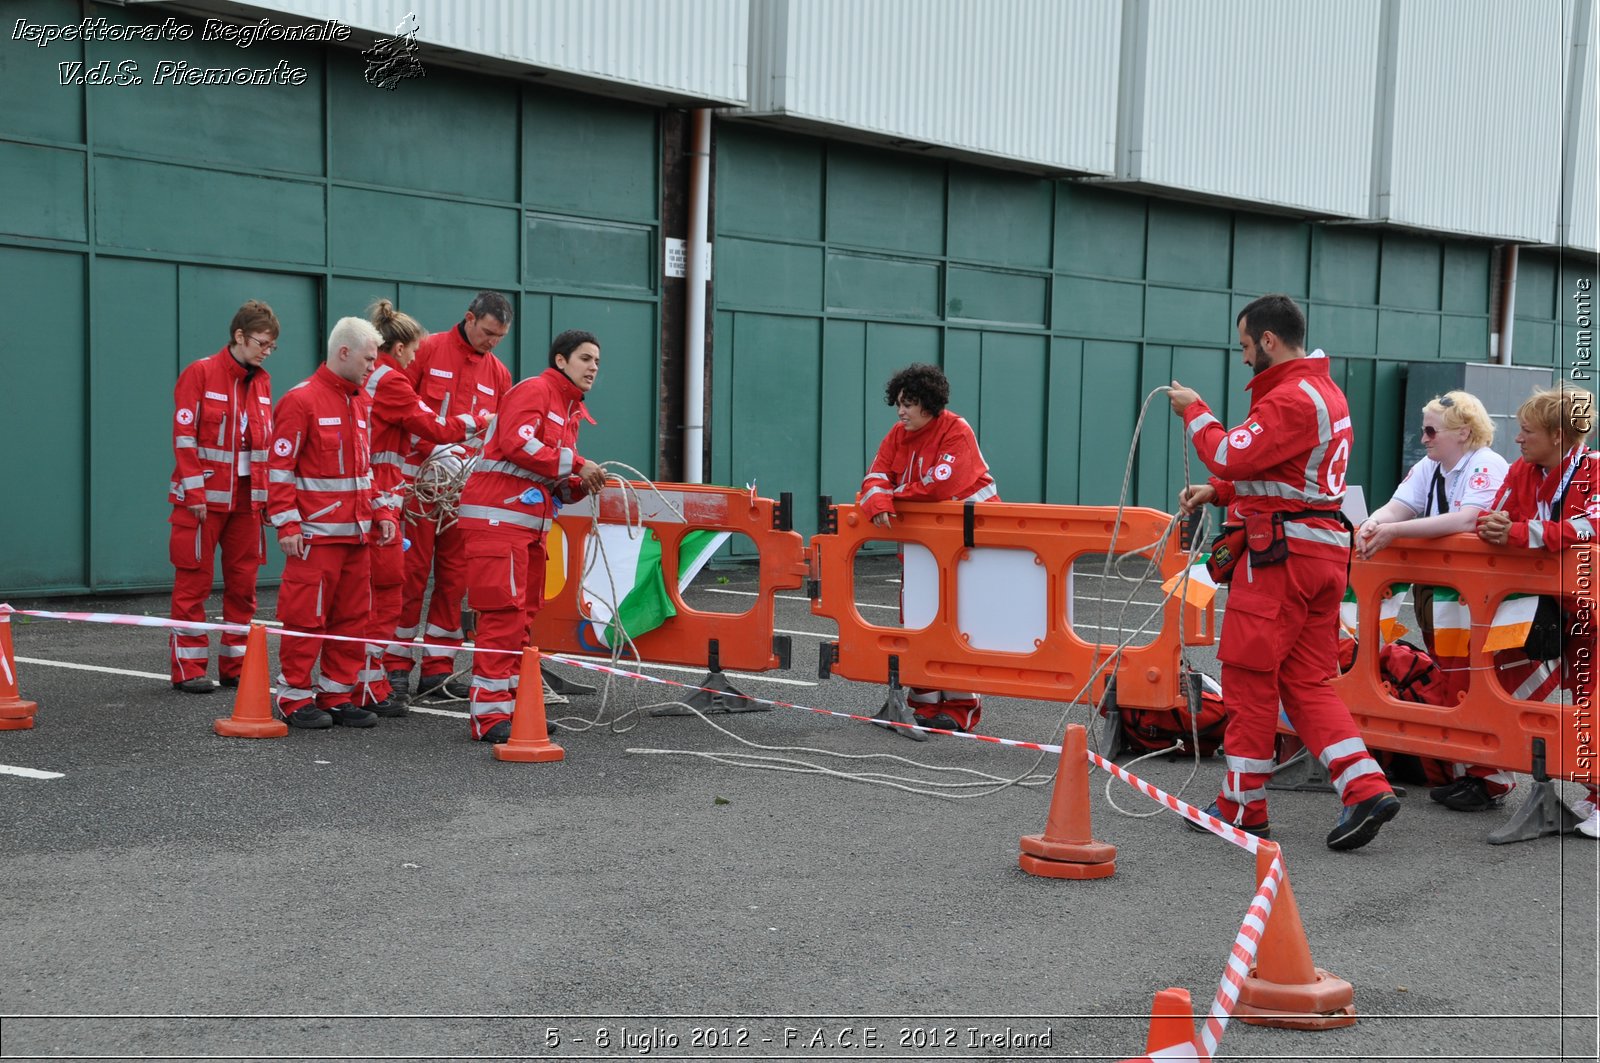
x: 308, y: 717
x: 197, y: 685
x: 391, y: 707
x: 500, y: 732
x: 1467, y: 794
x: 940, y: 719
x: 400, y: 682
x: 441, y: 685
x: 229, y: 681
x: 347, y: 715
x: 1260, y: 830
x: 1359, y: 824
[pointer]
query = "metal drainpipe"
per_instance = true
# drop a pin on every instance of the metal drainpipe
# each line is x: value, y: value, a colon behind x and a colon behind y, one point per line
x: 695, y: 273
x: 1508, y: 302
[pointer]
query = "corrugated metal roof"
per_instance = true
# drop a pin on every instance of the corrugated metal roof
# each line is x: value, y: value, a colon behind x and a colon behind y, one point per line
x: 1028, y: 80
x: 1258, y: 100
x: 695, y: 48
x: 1478, y: 118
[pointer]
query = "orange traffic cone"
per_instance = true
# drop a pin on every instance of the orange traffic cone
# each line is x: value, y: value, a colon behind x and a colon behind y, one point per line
x: 1284, y: 988
x: 530, y: 734
x: 252, y: 707
x: 1067, y: 849
x: 15, y: 714
x: 1171, y: 1020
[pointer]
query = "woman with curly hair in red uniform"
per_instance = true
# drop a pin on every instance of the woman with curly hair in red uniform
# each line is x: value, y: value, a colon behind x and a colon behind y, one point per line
x: 931, y: 455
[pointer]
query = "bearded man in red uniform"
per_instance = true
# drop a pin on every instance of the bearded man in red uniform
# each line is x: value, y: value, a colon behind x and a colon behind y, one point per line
x: 455, y: 372
x: 220, y: 427
x: 1281, y: 474
x: 530, y: 462
x: 321, y: 500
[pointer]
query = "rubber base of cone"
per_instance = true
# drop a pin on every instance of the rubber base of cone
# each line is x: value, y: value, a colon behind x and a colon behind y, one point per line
x: 1325, y: 1004
x: 537, y: 752
x: 230, y: 728
x: 1089, y: 852
x: 16, y: 723
x: 1034, y: 865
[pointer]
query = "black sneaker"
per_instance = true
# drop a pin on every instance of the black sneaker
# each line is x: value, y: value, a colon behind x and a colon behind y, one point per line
x: 400, y: 682
x: 1467, y: 794
x: 229, y: 681
x: 391, y: 707
x: 1359, y: 824
x: 197, y: 685
x: 442, y: 685
x: 941, y: 720
x: 347, y: 715
x: 1260, y: 830
x: 308, y: 717
x: 500, y: 732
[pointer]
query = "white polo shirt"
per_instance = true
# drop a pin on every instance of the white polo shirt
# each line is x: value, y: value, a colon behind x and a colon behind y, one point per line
x: 1473, y: 482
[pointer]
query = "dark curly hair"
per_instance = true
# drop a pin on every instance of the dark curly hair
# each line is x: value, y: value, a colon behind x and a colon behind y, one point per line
x: 922, y: 383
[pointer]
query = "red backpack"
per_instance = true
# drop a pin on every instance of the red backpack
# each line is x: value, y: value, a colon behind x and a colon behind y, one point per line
x: 1149, y: 730
x: 1415, y: 676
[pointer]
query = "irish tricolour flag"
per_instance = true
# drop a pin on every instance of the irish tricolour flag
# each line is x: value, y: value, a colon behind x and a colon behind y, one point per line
x: 1389, y: 625
x: 630, y: 570
x: 1200, y: 588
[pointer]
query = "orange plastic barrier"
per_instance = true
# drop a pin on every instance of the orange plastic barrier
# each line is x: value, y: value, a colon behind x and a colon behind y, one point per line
x: 1489, y: 727
x: 744, y: 641
x: 942, y: 656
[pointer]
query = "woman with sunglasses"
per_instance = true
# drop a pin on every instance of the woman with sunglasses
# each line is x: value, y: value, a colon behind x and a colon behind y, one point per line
x: 1443, y: 495
x: 1550, y: 501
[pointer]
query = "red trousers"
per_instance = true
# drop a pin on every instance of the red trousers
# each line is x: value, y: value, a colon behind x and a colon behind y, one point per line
x: 1280, y: 645
x: 388, y: 579
x: 444, y: 556
x: 505, y: 584
x: 329, y: 592
x: 193, y: 547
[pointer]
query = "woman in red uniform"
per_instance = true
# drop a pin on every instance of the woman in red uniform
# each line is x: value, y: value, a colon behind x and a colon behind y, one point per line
x: 399, y: 419
x: 931, y: 455
x: 1551, y: 500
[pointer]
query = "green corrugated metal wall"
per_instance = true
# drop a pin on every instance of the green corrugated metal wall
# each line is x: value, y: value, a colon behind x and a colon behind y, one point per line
x: 136, y: 219
x: 1053, y: 306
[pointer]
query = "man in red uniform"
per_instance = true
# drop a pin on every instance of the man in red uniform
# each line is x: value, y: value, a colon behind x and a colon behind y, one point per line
x: 931, y: 455
x: 320, y: 498
x: 219, y: 491
x: 1282, y: 475
x: 398, y: 418
x: 454, y: 373
x: 530, y: 461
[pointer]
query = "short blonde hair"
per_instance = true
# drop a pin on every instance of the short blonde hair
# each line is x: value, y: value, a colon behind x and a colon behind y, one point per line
x: 1462, y: 409
x: 1564, y: 411
x: 352, y: 332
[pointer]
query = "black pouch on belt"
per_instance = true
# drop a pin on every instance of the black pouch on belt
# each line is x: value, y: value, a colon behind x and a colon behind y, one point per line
x: 1263, y: 534
x: 1226, y: 550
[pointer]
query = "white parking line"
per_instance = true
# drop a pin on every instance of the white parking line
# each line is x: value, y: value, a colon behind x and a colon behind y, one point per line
x: 29, y: 773
x: 93, y: 668
x: 633, y: 666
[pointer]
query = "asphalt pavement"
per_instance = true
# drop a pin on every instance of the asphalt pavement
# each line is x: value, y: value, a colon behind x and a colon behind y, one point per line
x: 397, y: 893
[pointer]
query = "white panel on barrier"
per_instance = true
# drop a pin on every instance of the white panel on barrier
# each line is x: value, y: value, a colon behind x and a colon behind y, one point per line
x: 1000, y: 599
x: 919, y: 587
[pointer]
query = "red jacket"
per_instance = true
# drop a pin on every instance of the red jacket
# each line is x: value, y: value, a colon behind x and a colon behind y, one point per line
x: 1291, y: 454
x: 452, y: 378
x: 214, y: 397
x: 1528, y: 492
x: 939, y: 462
x: 399, y: 421
x: 530, y: 454
x: 320, y: 479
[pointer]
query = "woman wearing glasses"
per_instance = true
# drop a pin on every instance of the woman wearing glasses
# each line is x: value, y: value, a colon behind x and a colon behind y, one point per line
x: 1551, y: 501
x: 1443, y: 494
x: 220, y: 428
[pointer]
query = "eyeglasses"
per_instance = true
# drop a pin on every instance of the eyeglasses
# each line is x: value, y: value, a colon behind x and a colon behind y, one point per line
x: 267, y: 347
x: 1445, y: 400
x: 1428, y: 431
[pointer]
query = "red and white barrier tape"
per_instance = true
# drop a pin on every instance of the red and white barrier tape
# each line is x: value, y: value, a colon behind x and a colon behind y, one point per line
x: 1241, y: 958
